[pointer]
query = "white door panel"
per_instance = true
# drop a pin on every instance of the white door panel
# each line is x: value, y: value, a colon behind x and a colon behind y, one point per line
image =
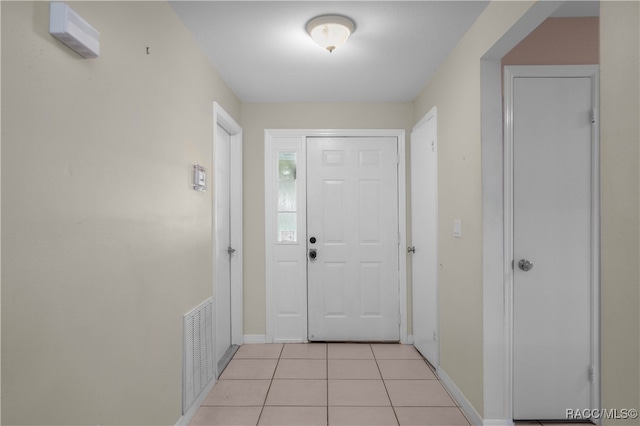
x: 223, y: 242
x: 352, y: 211
x: 424, y: 208
x: 552, y: 228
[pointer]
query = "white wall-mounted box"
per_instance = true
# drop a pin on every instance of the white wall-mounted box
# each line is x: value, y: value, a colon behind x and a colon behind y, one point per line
x: 68, y: 27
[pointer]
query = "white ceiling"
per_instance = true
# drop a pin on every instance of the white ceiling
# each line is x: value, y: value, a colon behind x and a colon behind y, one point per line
x: 262, y: 51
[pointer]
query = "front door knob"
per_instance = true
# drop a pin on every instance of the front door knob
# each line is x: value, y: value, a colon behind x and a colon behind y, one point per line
x: 525, y: 265
x: 313, y: 253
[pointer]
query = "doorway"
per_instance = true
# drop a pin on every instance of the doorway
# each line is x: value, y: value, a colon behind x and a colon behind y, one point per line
x: 497, y: 263
x: 292, y: 307
x: 227, y: 241
x: 552, y: 237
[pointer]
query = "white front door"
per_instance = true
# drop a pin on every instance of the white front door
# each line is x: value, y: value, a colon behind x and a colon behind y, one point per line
x: 424, y: 210
x: 352, y: 239
x: 222, y: 294
x: 553, y: 224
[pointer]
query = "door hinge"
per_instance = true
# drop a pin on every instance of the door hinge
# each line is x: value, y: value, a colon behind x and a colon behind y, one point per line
x: 593, y: 116
x: 399, y: 238
x: 433, y: 146
x: 592, y: 375
x: 435, y: 338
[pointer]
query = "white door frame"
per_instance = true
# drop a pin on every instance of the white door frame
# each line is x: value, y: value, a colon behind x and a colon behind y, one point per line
x: 588, y: 71
x: 299, y: 136
x: 223, y: 119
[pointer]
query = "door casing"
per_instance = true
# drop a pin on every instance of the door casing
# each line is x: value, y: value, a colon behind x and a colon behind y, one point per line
x: 223, y: 119
x: 511, y: 72
x: 296, y: 139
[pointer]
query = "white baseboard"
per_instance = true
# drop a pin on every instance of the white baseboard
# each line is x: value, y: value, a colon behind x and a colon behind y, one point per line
x: 261, y: 338
x: 497, y: 422
x: 466, y: 407
x: 250, y: 339
x: 188, y: 416
x: 409, y: 339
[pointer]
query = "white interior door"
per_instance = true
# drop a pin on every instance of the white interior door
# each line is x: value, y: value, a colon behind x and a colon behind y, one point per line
x: 553, y: 229
x: 424, y: 240
x: 222, y: 246
x: 352, y: 223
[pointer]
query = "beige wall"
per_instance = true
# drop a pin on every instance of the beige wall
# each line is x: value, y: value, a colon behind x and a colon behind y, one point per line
x: 258, y: 117
x: 455, y: 90
x: 620, y: 139
x: 105, y: 245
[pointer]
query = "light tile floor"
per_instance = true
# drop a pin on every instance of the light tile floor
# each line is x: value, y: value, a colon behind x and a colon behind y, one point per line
x: 329, y: 384
x: 550, y: 423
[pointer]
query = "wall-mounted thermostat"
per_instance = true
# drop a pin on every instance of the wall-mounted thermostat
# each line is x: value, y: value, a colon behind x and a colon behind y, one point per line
x: 199, y: 178
x: 68, y: 27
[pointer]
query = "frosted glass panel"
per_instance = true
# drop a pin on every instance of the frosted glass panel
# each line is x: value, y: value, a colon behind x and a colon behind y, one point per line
x: 286, y: 166
x: 287, y: 197
x: 287, y: 227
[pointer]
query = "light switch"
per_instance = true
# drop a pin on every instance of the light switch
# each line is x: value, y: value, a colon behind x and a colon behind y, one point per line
x: 457, y: 228
x: 199, y: 178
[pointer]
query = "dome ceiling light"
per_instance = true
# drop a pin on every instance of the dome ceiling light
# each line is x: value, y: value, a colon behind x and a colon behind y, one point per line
x: 330, y: 31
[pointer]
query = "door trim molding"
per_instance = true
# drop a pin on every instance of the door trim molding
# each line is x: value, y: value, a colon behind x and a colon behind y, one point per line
x: 541, y: 71
x: 222, y: 118
x: 301, y: 135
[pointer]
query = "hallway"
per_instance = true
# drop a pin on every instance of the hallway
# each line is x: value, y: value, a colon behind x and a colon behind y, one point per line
x: 110, y: 212
x: 334, y: 384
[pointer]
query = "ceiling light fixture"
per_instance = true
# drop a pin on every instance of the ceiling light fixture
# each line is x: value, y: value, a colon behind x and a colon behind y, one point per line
x: 330, y: 31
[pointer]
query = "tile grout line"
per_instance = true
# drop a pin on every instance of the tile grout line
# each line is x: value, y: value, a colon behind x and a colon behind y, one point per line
x: 326, y: 355
x: 269, y: 388
x: 384, y: 383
